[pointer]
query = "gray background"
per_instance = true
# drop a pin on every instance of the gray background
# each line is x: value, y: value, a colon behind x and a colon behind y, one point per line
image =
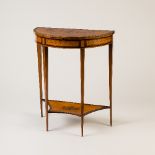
x: 21, y: 128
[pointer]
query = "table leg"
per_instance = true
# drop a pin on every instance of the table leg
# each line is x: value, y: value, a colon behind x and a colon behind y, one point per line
x: 45, y: 66
x: 82, y: 57
x: 110, y: 79
x: 40, y: 75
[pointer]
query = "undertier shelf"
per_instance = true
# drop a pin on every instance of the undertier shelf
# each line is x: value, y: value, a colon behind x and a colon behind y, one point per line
x: 72, y: 107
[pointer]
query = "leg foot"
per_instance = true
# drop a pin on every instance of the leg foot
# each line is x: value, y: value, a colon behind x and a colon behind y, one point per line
x: 45, y: 62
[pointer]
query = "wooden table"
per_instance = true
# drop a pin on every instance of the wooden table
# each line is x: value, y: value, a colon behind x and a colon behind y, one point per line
x: 71, y: 38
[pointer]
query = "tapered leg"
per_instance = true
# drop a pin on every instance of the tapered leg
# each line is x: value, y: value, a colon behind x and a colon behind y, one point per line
x: 82, y: 57
x: 45, y: 66
x: 40, y: 75
x: 110, y: 79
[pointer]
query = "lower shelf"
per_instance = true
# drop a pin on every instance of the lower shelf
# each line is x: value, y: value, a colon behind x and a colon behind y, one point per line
x: 72, y: 107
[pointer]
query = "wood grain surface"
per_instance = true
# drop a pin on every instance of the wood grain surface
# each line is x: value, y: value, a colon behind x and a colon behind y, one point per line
x: 73, y: 108
x: 71, y: 34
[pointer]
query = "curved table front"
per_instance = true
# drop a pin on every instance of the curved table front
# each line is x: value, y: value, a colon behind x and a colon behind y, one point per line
x: 72, y: 38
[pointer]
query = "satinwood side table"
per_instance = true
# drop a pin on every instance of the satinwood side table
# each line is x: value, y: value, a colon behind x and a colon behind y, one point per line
x: 71, y: 38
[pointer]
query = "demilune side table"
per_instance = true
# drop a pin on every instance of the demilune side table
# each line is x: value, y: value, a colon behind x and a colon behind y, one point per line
x: 71, y: 38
